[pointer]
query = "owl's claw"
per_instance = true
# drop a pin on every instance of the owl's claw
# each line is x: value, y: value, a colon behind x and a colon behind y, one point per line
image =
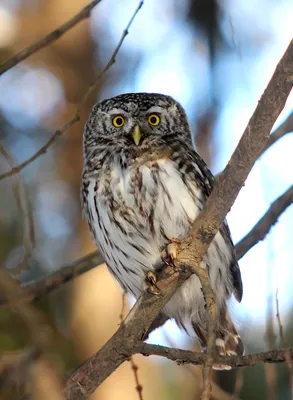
x: 169, y: 255
x: 151, y: 285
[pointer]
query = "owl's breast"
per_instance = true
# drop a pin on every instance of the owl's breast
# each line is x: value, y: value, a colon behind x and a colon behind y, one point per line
x: 134, y: 212
x: 156, y: 196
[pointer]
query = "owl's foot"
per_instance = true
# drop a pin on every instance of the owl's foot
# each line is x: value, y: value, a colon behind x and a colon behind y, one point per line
x: 169, y: 255
x: 151, y: 283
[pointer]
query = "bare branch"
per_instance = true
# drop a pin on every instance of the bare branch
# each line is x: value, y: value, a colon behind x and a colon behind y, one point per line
x: 42, y: 150
x: 261, y: 229
x: 134, y: 366
x: 25, y: 211
x: 76, y: 116
x: 191, y: 357
x: 288, y: 356
x: 33, y: 291
x: 84, y: 13
x: 112, y: 59
x: 285, y: 128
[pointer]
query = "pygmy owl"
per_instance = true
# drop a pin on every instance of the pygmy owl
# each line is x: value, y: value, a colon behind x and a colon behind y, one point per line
x: 143, y: 186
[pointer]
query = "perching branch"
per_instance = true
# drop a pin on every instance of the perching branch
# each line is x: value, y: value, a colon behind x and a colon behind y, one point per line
x: 84, y: 13
x: 76, y: 116
x: 191, y: 357
x: 90, y: 374
x: 261, y: 229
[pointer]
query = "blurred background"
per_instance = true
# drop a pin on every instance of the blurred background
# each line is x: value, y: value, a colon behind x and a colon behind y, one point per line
x: 216, y: 58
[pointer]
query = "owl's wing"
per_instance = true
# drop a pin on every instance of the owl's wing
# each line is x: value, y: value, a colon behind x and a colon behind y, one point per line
x: 203, y: 176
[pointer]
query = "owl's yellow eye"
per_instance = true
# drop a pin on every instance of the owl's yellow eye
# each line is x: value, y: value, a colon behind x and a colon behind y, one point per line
x: 154, y: 120
x: 118, y: 121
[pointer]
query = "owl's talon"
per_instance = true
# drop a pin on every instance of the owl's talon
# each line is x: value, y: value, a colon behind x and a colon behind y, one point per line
x: 169, y: 255
x: 151, y: 285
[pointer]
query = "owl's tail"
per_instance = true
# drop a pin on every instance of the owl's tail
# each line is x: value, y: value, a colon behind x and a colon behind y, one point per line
x: 228, y: 341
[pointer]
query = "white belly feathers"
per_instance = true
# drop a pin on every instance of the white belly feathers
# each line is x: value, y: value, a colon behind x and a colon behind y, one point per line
x: 154, y: 204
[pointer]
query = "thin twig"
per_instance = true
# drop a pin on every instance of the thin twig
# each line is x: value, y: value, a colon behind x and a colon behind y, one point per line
x: 122, y: 312
x: 288, y: 356
x: 25, y: 211
x: 261, y: 229
x: 84, y: 13
x: 134, y: 367
x: 285, y: 128
x: 76, y: 116
x: 190, y: 357
x: 210, y: 300
x: 42, y: 150
x: 112, y: 59
x: 270, y: 338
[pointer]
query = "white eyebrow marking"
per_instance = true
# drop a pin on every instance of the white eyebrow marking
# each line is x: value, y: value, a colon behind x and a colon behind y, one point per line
x: 155, y: 109
x: 117, y: 111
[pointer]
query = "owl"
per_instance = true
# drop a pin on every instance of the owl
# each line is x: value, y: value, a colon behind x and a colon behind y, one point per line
x: 143, y: 186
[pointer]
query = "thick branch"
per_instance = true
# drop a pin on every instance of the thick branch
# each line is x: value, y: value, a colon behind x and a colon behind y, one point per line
x: 48, y: 39
x: 261, y: 229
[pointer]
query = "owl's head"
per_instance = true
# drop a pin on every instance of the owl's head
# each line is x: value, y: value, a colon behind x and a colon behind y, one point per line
x: 136, y: 121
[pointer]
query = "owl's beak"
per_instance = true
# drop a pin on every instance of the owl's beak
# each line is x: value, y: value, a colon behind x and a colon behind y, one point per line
x: 136, y: 134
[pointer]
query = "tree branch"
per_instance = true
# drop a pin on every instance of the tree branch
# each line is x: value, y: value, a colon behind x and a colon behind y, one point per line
x: 89, y: 375
x: 261, y: 229
x: 84, y: 13
x: 33, y: 291
x: 190, y: 357
x: 76, y: 116
x: 285, y: 128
